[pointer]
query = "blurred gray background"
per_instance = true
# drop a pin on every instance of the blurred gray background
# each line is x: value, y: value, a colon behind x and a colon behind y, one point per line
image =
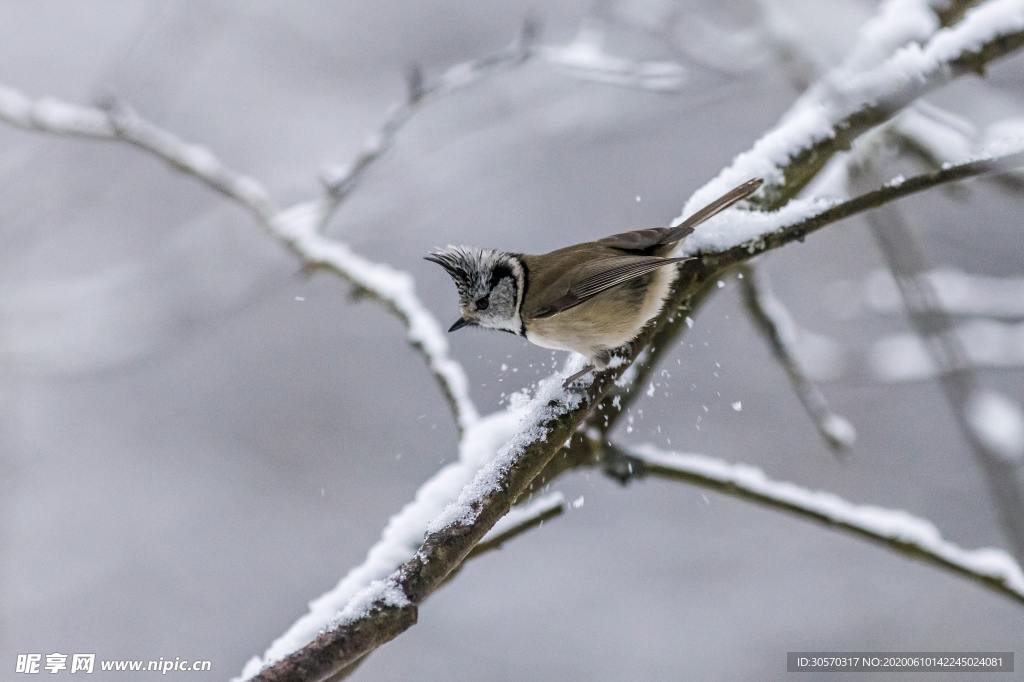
x: 196, y: 439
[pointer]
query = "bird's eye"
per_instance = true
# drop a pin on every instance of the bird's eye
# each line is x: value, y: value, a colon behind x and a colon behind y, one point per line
x: 482, y: 303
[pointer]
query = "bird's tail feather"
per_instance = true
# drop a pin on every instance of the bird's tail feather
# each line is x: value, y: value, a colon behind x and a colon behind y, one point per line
x: 715, y: 207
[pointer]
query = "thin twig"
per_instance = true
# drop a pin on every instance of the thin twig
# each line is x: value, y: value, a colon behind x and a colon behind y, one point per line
x: 520, y: 518
x: 775, y: 325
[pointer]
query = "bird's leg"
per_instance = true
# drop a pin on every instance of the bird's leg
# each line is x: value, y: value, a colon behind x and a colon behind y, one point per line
x: 568, y: 381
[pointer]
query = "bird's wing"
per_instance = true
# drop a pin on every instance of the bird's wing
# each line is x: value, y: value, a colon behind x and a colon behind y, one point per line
x: 639, y: 241
x: 600, y: 275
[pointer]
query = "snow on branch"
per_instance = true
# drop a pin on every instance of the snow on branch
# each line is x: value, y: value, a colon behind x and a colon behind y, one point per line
x: 896, y: 529
x: 775, y: 324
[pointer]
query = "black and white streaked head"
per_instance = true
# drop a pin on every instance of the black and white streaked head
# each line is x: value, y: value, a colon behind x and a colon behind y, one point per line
x: 490, y: 285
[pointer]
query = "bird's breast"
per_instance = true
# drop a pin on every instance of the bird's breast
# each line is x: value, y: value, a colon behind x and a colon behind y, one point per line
x: 607, y: 321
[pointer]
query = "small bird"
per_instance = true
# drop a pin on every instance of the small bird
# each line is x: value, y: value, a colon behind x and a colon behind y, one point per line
x: 590, y: 298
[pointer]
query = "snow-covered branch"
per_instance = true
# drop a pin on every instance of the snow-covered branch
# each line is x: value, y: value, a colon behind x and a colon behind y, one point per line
x: 773, y: 321
x: 896, y: 529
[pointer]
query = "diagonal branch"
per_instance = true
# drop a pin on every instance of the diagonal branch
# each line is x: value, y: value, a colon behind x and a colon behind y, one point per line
x: 772, y: 320
x: 909, y: 535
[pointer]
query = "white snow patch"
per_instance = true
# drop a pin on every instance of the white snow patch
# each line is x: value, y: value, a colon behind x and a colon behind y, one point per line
x: 839, y: 429
x: 738, y: 406
x: 998, y: 422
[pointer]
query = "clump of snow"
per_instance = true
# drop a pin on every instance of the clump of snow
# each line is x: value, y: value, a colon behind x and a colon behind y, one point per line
x: 998, y: 422
x: 578, y: 502
x: 383, y: 592
x: 738, y: 406
x: 892, y: 524
x: 839, y: 429
x: 736, y: 227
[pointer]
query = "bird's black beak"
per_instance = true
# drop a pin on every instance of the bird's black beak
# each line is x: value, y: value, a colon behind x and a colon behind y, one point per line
x: 459, y: 324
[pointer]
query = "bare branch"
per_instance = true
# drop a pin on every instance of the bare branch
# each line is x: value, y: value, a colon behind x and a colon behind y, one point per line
x: 895, y: 529
x: 774, y: 323
x: 520, y: 519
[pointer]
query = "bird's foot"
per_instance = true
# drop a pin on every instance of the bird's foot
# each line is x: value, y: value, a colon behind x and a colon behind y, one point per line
x: 569, y: 381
